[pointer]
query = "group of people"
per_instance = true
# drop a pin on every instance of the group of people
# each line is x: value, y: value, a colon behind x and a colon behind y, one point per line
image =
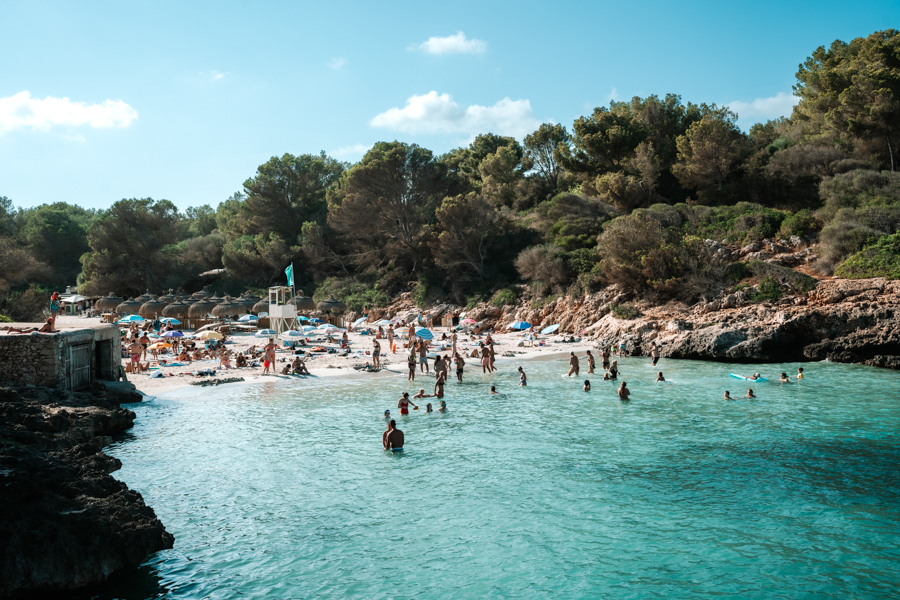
x: 756, y: 376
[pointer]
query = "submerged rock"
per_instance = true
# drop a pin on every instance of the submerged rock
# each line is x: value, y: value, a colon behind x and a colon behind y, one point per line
x: 64, y: 521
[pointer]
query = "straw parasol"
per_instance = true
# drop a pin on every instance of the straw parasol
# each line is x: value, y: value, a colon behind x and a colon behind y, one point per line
x: 168, y: 298
x: 261, y: 306
x: 152, y: 308
x: 182, y: 295
x: 331, y: 306
x: 204, y: 293
x: 227, y: 308
x: 247, y: 300
x: 304, y: 303
x: 216, y: 299
x: 129, y: 307
x: 145, y: 297
x: 200, y: 309
x: 108, y: 303
x: 177, y: 309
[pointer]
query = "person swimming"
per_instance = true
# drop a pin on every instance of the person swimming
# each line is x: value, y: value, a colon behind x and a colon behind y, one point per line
x: 387, y: 415
x: 494, y: 391
x: 659, y: 376
x: 421, y: 394
x: 428, y: 408
x: 728, y: 395
x: 749, y: 394
x: 443, y: 407
x: 784, y: 378
x: 587, y: 385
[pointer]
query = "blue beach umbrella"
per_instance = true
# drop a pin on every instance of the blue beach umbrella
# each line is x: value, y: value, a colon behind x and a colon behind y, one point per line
x: 316, y: 320
x: 424, y: 333
x: 171, y: 334
x: 308, y: 328
x: 248, y: 318
x: 302, y: 318
x: 266, y: 333
x: 520, y: 325
x: 359, y: 321
x: 550, y: 328
x: 171, y: 321
x: 131, y: 319
x: 382, y: 323
x: 291, y: 335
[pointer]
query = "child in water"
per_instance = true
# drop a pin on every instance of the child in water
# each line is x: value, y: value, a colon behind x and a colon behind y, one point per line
x: 494, y: 391
x: 443, y: 407
x: 428, y: 408
x: 799, y: 372
x: 587, y: 385
x: 659, y: 376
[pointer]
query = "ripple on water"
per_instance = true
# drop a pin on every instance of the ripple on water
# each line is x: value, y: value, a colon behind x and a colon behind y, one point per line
x: 545, y: 491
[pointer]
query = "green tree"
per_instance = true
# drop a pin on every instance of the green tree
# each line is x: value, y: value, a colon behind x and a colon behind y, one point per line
x: 201, y: 220
x: 56, y: 234
x: 710, y: 154
x: 469, y: 231
x: 540, y: 151
x: 126, y: 243
x: 602, y: 142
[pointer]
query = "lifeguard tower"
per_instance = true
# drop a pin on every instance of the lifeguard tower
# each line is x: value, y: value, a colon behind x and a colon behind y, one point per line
x: 282, y: 311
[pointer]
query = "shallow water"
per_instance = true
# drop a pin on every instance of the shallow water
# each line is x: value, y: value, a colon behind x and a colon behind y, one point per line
x: 544, y: 492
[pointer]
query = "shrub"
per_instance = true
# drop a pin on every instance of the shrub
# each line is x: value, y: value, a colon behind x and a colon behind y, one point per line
x: 799, y: 223
x: 420, y: 292
x: 768, y: 291
x: 881, y: 259
x: 624, y: 311
x: 353, y: 292
x: 542, y: 265
x: 504, y: 297
x: 795, y: 281
x: 5, y: 319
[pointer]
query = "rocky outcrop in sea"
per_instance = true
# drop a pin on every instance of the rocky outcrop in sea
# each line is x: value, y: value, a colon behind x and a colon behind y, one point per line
x: 65, y: 522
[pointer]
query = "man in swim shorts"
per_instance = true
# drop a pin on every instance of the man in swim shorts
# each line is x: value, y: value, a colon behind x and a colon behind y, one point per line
x: 423, y: 356
x: 392, y: 439
x: 574, y: 365
x: 654, y: 353
x: 460, y: 363
x: 135, y: 349
x: 404, y: 403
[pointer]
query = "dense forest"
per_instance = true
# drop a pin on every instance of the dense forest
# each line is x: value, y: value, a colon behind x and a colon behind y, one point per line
x: 629, y: 194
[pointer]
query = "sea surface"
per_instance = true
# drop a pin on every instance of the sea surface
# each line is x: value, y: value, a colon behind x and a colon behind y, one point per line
x: 283, y: 491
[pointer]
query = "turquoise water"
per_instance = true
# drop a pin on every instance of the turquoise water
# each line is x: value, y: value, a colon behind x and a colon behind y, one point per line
x: 283, y: 491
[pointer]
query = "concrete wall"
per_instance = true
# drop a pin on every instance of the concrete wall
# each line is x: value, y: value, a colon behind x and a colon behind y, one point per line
x: 43, y: 359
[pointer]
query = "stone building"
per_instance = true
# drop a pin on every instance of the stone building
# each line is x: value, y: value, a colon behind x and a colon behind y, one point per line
x: 71, y: 358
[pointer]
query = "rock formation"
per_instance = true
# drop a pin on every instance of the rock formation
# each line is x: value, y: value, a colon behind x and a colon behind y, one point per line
x: 64, y: 521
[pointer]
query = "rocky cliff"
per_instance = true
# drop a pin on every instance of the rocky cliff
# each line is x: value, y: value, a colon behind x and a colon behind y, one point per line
x: 65, y: 522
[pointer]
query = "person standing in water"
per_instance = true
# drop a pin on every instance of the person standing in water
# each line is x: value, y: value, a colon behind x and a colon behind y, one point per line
x: 727, y: 395
x: 614, y: 369
x: 392, y: 439
x: 624, y: 392
x: 604, y: 358
x: 799, y: 372
x: 574, y: 365
x: 453, y: 339
x: 460, y: 364
x: 404, y: 403
x: 523, y: 381
x: 587, y: 385
x: 659, y: 376
x: 749, y: 394
x: 411, y: 363
x: 591, y: 362
x: 654, y: 353
x: 439, y: 386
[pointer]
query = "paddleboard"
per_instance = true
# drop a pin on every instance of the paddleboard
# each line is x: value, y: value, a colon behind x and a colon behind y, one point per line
x: 736, y: 376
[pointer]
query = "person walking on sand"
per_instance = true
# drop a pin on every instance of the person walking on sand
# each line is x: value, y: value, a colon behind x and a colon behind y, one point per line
x: 144, y: 341
x: 376, y: 354
x: 574, y: 365
x: 423, y: 356
x: 393, y: 438
x: 624, y: 392
x: 390, y: 337
x: 654, y: 353
x: 591, y: 362
x: 404, y: 402
x: 460, y: 363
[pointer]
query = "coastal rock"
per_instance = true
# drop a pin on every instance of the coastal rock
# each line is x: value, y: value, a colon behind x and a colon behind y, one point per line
x: 64, y: 521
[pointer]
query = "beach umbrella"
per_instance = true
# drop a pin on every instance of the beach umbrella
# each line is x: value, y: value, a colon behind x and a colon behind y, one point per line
x: 468, y: 321
x: 209, y: 335
x: 247, y: 301
x: 266, y: 333
x: 301, y: 318
x: 520, y: 325
x: 171, y: 320
x: 181, y: 295
x: 216, y: 299
x: 316, y: 320
x: 308, y: 328
x: 151, y: 308
x: 331, y: 306
x: 383, y: 323
x: 175, y: 309
x: 248, y: 318
x: 129, y: 307
x: 108, y: 303
x: 424, y: 333
x: 329, y: 328
x: 550, y: 329
x: 264, y: 314
x: 202, y: 294
x: 132, y: 319
x: 291, y: 336
x: 145, y: 297
x: 260, y: 306
x: 200, y: 309
x: 159, y: 345
x: 168, y: 298
x: 359, y: 321
x: 228, y: 308
x: 172, y: 334
x: 304, y: 303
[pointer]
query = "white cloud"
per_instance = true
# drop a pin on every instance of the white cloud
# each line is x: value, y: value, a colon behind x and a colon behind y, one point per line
x: 613, y: 95
x: 452, y: 44
x: 779, y: 105
x: 22, y: 111
x: 440, y: 114
x: 352, y: 151
x: 216, y: 76
x: 337, y: 62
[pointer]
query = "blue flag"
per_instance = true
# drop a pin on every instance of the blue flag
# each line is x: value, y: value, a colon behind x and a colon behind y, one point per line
x: 290, y: 274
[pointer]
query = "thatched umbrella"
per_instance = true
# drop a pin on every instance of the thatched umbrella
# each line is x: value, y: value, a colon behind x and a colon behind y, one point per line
x: 108, y: 303
x: 182, y: 295
x: 227, y: 308
x: 204, y: 293
x: 216, y: 299
x: 305, y: 303
x: 145, y: 297
x: 152, y: 308
x: 200, y: 309
x: 331, y: 306
x: 177, y: 309
x: 168, y: 298
x: 247, y: 300
x: 261, y: 306
x: 129, y: 307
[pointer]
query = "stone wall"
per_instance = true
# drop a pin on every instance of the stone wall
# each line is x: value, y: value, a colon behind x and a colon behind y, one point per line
x: 43, y: 359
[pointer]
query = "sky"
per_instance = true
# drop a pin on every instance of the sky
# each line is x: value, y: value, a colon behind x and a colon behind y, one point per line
x: 182, y: 101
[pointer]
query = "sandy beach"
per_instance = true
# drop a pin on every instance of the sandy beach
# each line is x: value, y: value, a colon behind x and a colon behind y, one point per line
x: 323, y: 364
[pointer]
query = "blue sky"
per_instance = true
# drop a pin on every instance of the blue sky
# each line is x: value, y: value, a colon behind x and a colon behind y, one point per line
x: 183, y: 100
